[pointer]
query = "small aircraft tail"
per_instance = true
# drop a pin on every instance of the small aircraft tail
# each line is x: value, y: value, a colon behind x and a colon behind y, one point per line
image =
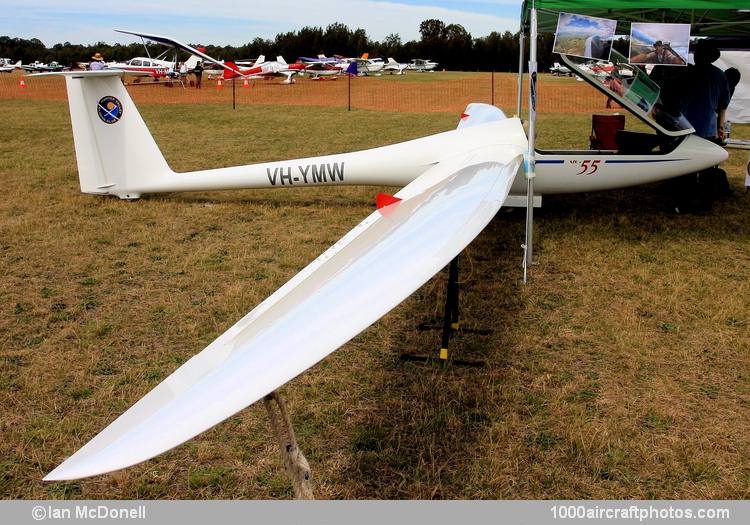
x: 114, y: 148
x: 191, y: 62
x: 233, y: 72
x: 280, y: 60
x: 261, y: 59
x: 391, y: 61
x: 365, y: 56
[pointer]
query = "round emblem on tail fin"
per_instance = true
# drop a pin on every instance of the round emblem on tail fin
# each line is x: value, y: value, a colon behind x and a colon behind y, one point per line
x: 109, y: 110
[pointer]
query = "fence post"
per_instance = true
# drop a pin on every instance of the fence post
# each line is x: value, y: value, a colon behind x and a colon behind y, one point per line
x: 493, y: 86
x: 350, y: 91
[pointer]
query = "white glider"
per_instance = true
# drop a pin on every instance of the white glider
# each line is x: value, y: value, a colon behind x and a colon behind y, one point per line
x: 455, y: 183
x: 123, y: 159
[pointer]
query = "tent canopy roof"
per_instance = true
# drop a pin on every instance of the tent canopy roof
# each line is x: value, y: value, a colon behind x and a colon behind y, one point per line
x: 707, y: 17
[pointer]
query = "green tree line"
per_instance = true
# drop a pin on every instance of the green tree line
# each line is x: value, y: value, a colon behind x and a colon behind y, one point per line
x: 451, y: 45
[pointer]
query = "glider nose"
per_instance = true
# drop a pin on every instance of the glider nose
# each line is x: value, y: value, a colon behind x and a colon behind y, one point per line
x: 706, y: 153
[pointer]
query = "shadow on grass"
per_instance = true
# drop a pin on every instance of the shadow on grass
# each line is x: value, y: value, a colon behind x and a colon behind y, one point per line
x: 432, y: 419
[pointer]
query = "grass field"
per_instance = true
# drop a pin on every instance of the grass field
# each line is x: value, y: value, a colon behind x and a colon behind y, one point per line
x: 622, y: 370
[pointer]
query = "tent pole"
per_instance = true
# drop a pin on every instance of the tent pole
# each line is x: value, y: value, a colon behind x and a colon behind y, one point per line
x: 520, y: 70
x: 531, y: 160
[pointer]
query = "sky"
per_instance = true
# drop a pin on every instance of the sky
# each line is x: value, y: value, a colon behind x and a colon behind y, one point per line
x: 225, y: 22
x: 676, y: 34
x: 575, y: 24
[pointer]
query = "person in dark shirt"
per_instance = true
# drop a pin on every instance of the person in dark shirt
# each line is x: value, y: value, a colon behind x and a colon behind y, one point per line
x: 707, y: 98
x: 198, y: 72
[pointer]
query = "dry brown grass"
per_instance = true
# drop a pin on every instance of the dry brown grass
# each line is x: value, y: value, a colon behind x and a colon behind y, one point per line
x: 621, y: 371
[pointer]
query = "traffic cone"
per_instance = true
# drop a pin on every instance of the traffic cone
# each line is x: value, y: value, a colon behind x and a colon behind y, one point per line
x: 218, y: 84
x: 245, y: 83
x: 22, y: 83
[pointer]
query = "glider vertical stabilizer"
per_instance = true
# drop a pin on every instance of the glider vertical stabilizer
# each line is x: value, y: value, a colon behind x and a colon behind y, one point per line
x: 114, y: 149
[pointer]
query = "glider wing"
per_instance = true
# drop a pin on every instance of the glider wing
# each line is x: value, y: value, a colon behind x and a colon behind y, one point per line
x: 359, y: 279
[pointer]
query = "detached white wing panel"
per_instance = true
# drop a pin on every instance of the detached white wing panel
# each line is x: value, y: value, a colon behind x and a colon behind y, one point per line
x: 354, y: 283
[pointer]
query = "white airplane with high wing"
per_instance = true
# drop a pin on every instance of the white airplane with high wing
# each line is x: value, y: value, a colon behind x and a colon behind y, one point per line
x: 367, y: 66
x: 558, y: 70
x: 152, y: 66
x: 7, y: 66
x: 41, y: 67
x: 422, y: 65
x: 453, y: 184
x: 392, y: 67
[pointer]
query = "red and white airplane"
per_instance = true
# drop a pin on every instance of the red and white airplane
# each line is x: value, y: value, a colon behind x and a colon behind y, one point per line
x: 271, y: 68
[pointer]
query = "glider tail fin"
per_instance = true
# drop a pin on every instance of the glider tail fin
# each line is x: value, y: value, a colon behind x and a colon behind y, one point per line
x: 115, y: 152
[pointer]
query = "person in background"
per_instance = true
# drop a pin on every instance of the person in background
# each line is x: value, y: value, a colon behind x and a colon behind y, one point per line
x: 198, y: 72
x: 183, y: 71
x: 97, y: 62
x: 707, y: 95
x: 733, y: 78
x: 704, y: 103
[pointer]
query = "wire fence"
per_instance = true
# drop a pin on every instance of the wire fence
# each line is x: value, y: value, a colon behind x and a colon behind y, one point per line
x: 420, y: 92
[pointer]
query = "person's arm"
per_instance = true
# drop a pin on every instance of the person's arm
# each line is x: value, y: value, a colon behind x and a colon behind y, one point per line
x: 723, y: 103
x: 642, y: 58
x: 721, y: 123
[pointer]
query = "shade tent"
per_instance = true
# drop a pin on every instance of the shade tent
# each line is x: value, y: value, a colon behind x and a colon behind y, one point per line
x: 706, y: 17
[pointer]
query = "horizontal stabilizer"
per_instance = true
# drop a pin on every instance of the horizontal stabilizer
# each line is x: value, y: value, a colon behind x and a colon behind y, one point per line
x: 89, y: 74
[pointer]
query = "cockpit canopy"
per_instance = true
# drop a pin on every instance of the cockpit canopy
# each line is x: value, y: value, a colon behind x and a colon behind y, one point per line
x: 634, y: 90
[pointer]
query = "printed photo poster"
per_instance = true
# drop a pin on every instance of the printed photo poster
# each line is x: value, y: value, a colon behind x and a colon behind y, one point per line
x: 584, y: 36
x: 665, y: 44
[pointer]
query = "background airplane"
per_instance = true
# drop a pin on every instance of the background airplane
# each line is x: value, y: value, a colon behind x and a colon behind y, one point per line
x: 41, y: 67
x: 421, y: 64
x: 559, y: 70
x: 6, y: 66
x: 153, y: 66
x: 367, y: 66
x: 279, y: 67
x: 394, y: 68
